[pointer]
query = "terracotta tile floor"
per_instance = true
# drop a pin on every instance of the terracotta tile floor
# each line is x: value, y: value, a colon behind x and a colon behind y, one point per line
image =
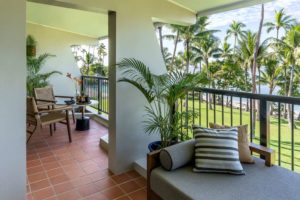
x: 59, y: 170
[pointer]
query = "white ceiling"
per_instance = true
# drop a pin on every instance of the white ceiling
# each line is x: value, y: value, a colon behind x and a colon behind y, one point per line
x: 80, y: 22
x: 95, y: 25
x: 211, y: 6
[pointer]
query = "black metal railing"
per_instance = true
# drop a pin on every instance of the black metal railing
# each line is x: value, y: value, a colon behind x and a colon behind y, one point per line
x: 97, y: 89
x: 267, y: 117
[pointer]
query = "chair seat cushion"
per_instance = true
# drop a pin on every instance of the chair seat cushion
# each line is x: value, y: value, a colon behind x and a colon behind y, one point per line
x: 259, y: 183
x: 53, y: 118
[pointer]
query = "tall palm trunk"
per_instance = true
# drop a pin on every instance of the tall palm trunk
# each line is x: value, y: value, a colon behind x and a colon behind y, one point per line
x: 259, y: 84
x: 187, y: 48
x: 161, y: 42
x: 175, y: 49
x: 187, y: 56
x: 207, y: 69
x: 255, y: 64
x: 234, y: 47
x: 286, y: 93
x: 290, y: 93
x: 271, y: 86
x: 210, y: 83
x: 246, y: 82
x: 88, y: 69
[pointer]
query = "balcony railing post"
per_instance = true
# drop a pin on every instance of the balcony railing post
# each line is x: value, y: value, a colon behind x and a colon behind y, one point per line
x: 264, y: 123
x: 98, y: 92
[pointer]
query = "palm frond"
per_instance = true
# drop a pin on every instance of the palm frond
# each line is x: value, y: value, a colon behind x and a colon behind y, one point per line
x: 146, y: 92
x: 136, y: 70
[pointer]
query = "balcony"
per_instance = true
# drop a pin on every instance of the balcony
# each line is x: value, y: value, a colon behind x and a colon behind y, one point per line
x: 57, y: 169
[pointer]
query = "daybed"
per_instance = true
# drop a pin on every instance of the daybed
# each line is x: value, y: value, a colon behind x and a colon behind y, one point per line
x: 261, y: 182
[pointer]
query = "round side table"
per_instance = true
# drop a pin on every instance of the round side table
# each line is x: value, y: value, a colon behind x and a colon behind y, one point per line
x: 83, y: 123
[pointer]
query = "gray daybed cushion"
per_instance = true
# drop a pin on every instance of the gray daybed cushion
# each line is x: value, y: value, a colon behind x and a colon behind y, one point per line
x: 259, y: 183
x: 177, y: 155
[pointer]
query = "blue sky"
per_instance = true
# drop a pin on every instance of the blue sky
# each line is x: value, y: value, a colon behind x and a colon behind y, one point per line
x: 249, y: 16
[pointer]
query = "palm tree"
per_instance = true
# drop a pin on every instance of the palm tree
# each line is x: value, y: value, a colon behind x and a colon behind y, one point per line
x: 270, y: 74
x: 281, y: 21
x: 35, y: 78
x: 88, y: 59
x: 175, y: 29
x: 290, y: 48
x: 257, y: 50
x: 236, y: 31
x: 230, y: 73
x: 168, y: 59
x: 187, y: 34
x: 226, y: 51
x: 245, y: 56
x: 159, y: 26
x: 205, y: 49
x: 162, y: 92
x: 179, y: 61
x: 101, y: 51
x: 245, y: 52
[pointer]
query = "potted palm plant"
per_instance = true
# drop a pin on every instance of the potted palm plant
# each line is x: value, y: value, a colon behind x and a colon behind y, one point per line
x: 36, y: 79
x: 30, y: 46
x: 162, y: 93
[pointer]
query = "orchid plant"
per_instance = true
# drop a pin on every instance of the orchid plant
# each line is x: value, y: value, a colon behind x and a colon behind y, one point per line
x: 77, y: 82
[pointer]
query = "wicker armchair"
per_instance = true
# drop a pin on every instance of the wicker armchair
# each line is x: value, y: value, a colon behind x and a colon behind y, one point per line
x: 46, y: 99
x: 37, y: 118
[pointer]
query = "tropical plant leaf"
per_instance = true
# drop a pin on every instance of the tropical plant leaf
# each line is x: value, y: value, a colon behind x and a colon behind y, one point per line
x: 147, y: 93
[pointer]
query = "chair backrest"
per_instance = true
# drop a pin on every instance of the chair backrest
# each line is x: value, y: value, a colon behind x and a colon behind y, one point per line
x: 45, y: 93
x: 32, y: 111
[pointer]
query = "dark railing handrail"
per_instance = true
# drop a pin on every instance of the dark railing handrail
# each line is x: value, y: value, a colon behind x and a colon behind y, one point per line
x: 266, y: 97
x: 261, y: 111
x: 96, y: 77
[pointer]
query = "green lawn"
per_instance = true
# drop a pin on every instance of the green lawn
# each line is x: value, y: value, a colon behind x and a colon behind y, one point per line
x: 286, y: 134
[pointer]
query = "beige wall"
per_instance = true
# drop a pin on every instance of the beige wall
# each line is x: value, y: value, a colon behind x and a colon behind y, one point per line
x: 58, y: 43
x: 12, y: 100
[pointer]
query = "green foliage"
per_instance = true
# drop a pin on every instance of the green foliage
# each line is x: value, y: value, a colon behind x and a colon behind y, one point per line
x: 36, y: 79
x: 162, y: 93
x: 30, y: 41
x: 228, y: 66
x: 92, y: 63
x: 281, y: 21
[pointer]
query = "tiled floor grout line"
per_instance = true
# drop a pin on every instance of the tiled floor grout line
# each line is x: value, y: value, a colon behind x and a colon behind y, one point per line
x: 50, y: 150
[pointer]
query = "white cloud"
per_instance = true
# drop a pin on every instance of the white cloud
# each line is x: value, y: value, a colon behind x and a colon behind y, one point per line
x: 252, y: 14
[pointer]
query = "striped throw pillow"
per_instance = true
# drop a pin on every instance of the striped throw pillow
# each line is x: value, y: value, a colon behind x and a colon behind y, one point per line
x: 216, y: 150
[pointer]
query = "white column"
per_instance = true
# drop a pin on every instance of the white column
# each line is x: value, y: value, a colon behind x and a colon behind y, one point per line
x: 12, y: 100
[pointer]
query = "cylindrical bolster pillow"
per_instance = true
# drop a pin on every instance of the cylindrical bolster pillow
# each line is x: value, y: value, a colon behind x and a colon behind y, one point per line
x: 177, y: 155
